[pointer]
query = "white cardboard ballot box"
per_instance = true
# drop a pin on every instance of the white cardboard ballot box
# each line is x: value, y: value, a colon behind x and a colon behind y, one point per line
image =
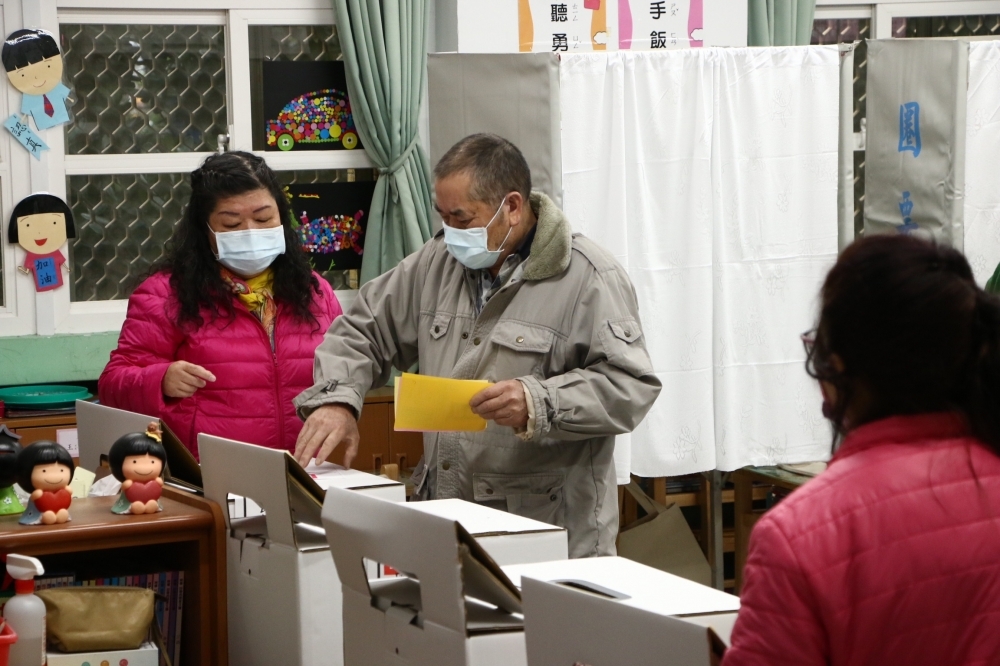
x: 509, y: 539
x: 99, y: 426
x: 611, y: 611
x: 452, y: 604
x: 284, y: 593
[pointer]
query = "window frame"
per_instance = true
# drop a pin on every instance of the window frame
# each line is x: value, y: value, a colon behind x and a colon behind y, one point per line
x: 25, y: 312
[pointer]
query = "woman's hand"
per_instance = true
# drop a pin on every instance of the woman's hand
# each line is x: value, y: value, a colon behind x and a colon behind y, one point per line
x: 182, y: 379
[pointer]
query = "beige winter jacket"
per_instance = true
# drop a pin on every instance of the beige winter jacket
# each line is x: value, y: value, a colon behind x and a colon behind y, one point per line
x: 568, y: 329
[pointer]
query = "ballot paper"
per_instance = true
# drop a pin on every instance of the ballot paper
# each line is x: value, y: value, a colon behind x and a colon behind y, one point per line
x: 436, y: 404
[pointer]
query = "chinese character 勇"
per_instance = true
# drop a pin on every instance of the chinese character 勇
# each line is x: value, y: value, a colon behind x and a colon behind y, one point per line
x: 559, y: 42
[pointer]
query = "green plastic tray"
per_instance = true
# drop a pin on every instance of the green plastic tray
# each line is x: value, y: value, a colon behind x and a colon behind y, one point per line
x: 42, y: 397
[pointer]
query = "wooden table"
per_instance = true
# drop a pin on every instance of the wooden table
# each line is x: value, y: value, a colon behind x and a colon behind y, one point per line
x: 743, y: 481
x: 188, y: 535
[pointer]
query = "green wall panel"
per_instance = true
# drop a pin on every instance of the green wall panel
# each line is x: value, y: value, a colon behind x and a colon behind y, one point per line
x: 34, y: 359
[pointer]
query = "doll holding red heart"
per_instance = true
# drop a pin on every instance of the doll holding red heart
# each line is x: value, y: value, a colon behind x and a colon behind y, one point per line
x: 137, y: 460
x: 45, y: 469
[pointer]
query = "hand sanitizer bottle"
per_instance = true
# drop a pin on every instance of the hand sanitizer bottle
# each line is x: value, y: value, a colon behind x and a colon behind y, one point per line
x: 26, y: 612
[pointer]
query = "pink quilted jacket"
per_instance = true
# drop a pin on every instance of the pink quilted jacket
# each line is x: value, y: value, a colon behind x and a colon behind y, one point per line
x: 251, y: 399
x: 892, y: 556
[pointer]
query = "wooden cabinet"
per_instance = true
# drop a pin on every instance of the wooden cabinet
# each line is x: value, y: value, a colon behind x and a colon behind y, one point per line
x: 35, y: 428
x: 380, y: 443
x: 189, y: 535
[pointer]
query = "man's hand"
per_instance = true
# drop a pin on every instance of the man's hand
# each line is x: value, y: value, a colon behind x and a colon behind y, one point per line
x: 503, y: 403
x: 326, y: 429
x: 182, y: 379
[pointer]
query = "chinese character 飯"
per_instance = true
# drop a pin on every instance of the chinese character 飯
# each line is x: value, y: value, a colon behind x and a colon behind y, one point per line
x: 658, y: 40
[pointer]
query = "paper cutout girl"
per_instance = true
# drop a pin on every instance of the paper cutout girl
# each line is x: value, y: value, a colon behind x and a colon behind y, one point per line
x: 34, y: 66
x: 40, y: 224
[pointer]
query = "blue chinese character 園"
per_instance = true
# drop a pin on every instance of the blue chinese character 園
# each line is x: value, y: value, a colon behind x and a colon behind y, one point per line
x: 909, y: 128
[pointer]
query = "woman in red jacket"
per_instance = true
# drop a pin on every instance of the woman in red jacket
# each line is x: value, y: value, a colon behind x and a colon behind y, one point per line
x: 892, y: 556
x: 221, y: 337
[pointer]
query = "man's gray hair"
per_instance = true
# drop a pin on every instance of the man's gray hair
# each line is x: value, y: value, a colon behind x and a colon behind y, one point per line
x: 495, y: 166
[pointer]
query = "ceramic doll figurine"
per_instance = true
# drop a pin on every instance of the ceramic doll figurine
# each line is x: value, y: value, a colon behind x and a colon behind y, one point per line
x: 10, y: 447
x: 40, y: 224
x: 35, y: 67
x: 137, y: 460
x: 45, y: 469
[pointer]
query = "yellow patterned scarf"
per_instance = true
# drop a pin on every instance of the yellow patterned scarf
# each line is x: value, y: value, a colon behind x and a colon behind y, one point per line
x: 257, y: 294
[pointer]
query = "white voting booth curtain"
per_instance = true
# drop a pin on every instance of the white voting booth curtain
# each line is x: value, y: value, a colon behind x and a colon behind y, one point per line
x: 711, y: 175
x: 982, y: 182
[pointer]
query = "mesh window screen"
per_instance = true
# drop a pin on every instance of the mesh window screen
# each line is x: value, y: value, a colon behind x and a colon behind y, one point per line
x: 122, y: 226
x: 145, y: 88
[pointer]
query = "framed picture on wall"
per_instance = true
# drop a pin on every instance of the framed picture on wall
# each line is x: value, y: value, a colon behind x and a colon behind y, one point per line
x: 332, y: 221
x: 306, y: 107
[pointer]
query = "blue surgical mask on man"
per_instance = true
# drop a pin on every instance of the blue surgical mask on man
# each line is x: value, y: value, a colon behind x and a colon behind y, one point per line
x: 471, y: 246
x: 249, y: 252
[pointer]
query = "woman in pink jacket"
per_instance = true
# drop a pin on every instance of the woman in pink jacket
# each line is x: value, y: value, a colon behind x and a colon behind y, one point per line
x: 221, y: 337
x: 892, y: 556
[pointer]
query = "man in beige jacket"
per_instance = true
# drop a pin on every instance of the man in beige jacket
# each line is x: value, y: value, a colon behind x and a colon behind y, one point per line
x: 549, y: 316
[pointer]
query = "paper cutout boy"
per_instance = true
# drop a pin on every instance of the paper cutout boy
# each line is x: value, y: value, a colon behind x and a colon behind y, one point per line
x: 40, y: 224
x: 34, y: 66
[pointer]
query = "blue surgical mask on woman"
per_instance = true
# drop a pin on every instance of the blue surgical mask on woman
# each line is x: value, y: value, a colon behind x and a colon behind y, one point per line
x: 249, y: 252
x: 471, y: 246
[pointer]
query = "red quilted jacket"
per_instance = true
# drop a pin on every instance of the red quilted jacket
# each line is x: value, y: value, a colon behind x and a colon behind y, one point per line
x: 251, y: 399
x: 892, y: 556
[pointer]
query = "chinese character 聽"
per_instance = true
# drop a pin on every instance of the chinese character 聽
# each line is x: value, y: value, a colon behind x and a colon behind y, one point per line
x: 559, y: 13
x: 658, y: 40
x: 657, y: 9
x: 559, y: 42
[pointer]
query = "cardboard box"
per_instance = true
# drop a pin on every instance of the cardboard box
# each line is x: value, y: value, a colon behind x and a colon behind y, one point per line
x: 509, y: 539
x: 452, y: 604
x: 98, y: 427
x: 145, y: 655
x: 284, y: 593
x: 571, y: 608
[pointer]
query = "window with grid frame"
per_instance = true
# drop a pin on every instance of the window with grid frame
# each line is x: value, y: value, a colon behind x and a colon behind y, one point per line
x: 159, y: 89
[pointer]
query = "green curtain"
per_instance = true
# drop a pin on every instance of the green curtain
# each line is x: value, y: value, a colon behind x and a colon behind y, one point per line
x: 385, y: 54
x: 780, y: 22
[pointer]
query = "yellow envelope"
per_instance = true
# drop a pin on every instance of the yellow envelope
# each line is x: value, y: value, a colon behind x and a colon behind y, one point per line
x: 437, y: 404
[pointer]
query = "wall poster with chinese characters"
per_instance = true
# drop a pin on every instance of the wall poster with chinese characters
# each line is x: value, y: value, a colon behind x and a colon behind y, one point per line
x: 577, y: 26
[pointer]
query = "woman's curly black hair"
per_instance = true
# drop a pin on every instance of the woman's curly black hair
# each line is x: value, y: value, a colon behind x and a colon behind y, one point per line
x: 194, y: 271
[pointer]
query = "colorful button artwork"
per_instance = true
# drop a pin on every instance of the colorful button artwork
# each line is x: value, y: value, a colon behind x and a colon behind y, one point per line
x: 317, y: 117
x: 331, y: 233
